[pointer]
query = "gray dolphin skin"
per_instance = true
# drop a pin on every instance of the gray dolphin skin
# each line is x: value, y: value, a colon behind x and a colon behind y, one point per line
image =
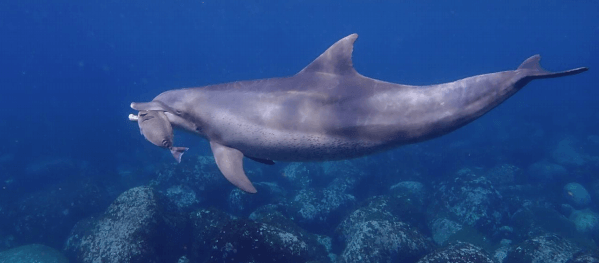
x: 328, y: 111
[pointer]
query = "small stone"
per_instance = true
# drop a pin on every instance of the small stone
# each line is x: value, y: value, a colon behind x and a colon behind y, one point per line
x: 546, y: 172
x: 577, y: 195
x: 586, y: 221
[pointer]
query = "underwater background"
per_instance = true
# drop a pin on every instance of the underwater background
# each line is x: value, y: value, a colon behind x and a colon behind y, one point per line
x: 78, y: 181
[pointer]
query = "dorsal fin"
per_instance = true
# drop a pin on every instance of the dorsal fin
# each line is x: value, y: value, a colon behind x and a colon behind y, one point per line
x: 336, y: 59
x: 532, y: 63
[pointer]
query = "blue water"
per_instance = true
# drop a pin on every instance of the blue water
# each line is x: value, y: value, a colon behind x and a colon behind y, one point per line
x: 70, y: 69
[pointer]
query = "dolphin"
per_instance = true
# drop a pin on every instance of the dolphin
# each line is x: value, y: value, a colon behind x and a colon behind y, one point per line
x: 156, y: 128
x: 328, y: 111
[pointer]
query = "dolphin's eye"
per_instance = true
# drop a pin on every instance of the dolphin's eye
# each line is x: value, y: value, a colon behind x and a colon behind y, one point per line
x: 165, y: 143
x: 178, y: 112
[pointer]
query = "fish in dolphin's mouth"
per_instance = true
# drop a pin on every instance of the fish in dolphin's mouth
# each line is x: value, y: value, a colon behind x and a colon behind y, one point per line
x: 157, y: 129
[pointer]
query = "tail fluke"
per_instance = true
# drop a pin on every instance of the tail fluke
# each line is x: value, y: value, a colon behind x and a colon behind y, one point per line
x: 178, y: 152
x: 535, y: 70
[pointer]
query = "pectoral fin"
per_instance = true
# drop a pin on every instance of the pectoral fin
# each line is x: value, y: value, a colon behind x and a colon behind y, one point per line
x: 230, y: 163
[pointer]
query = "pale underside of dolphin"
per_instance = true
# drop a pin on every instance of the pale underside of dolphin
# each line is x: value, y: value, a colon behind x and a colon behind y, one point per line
x: 328, y: 111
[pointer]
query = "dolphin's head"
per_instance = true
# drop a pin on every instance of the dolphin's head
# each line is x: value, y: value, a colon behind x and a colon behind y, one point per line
x: 174, y: 110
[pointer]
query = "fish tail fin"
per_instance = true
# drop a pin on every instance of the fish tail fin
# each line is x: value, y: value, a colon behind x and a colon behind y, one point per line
x: 178, y: 152
x: 534, y: 69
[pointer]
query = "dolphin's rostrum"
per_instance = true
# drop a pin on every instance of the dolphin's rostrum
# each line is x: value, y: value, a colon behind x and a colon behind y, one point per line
x: 327, y: 111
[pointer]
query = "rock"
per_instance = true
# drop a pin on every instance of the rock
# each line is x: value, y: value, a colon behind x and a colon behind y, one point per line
x: 375, y: 208
x: 83, y: 229
x: 221, y: 238
x: 344, y: 184
x: 595, y: 190
x: 327, y: 243
x: 505, y: 231
x: 514, y: 194
x: 182, y: 196
x: 443, y: 228
x: 373, y: 234
x: 32, y: 254
x: 270, y: 215
x: 242, y: 203
x: 324, y: 193
x: 469, y: 200
x: 134, y: 228
x: 196, y: 175
x: 410, y: 189
x: 321, y: 207
x: 585, y: 257
x: 546, y: 173
x: 183, y: 259
x: 318, y: 210
x: 458, y: 252
x: 408, y: 203
x: 385, y: 241
x: 248, y: 241
x: 504, y: 174
x: 466, y: 234
x: 47, y: 216
x: 206, y: 224
x: 577, y: 195
x: 342, y: 176
x: 567, y: 209
x: 501, y: 252
x: 534, y: 220
x: 586, y: 222
x: 300, y: 175
x: 545, y: 248
x: 200, y: 178
x: 393, y: 208
x: 565, y: 153
x: 6, y: 241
